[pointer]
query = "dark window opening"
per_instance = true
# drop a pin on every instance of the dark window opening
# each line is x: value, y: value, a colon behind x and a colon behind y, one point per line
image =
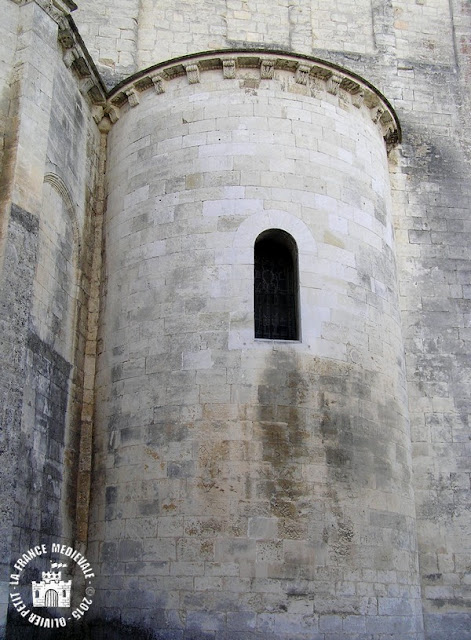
x: 276, y: 286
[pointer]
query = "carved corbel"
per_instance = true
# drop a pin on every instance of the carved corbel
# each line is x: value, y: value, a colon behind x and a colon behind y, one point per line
x: 333, y: 84
x: 133, y: 97
x: 108, y: 110
x: 98, y: 114
x: 387, y: 125
x: 376, y: 113
x: 70, y: 56
x: 302, y: 74
x: 192, y: 73
x: 388, y: 130
x: 112, y: 112
x: 65, y: 34
x: 229, y: 68
x: 158, y: 82
x: 358, y: 99
x: 391, y: 139
x: 267, y: 68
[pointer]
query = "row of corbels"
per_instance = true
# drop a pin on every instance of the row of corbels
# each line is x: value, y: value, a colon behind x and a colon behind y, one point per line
x: 335, y: 81
x: 332, y: 80
x: 76, y: 58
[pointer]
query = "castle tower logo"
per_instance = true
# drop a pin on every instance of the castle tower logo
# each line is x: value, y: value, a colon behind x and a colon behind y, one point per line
x: 54, y: 591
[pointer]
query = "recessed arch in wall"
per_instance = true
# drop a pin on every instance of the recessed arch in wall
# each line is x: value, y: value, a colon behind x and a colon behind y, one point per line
x: 57, y: 277
x: 59, y: 185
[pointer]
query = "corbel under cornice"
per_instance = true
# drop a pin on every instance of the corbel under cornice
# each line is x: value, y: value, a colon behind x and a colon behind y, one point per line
x: 77, y: 58
x: 314, y: 76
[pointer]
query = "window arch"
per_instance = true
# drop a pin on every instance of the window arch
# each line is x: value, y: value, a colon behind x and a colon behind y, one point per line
x: 276, y: 286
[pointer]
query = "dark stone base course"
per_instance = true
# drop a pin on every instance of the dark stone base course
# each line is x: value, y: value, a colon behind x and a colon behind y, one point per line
x: 20, y: 629
x: 113, y: 630
x: 439, y: 627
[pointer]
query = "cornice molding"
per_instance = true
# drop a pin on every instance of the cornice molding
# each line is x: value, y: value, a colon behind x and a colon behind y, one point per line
x: 56, y: 9
x: 77, y: 58
x: 313, y: 77
x: 75, y: 54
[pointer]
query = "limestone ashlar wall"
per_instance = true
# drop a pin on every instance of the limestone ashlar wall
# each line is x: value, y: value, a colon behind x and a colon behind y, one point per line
x: 247, y: 487
x: 110, y: 31
x: 432, y: 211
x: 124, y: 37
x: 9, y: 27
x: 48, y: 190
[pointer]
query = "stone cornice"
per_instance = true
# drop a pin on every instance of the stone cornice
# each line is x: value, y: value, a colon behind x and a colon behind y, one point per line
x: 77, y: 58
x: 312, y: 76
x: 56, y: 9
x: 75, y: 53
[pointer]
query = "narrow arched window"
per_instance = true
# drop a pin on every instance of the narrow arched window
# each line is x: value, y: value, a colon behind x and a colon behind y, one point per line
x: 276, y: 286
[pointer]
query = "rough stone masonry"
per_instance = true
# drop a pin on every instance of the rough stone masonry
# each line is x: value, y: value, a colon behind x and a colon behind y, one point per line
x: 223, y: 486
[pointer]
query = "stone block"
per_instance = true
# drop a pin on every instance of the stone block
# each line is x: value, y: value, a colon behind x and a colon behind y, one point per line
x: 262, y: 528
x: 130, y: 550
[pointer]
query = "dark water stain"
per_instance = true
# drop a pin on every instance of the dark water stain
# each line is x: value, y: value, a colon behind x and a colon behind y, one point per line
x: 332, y: 420
x: 283, y: 434
x: 42, y: 467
